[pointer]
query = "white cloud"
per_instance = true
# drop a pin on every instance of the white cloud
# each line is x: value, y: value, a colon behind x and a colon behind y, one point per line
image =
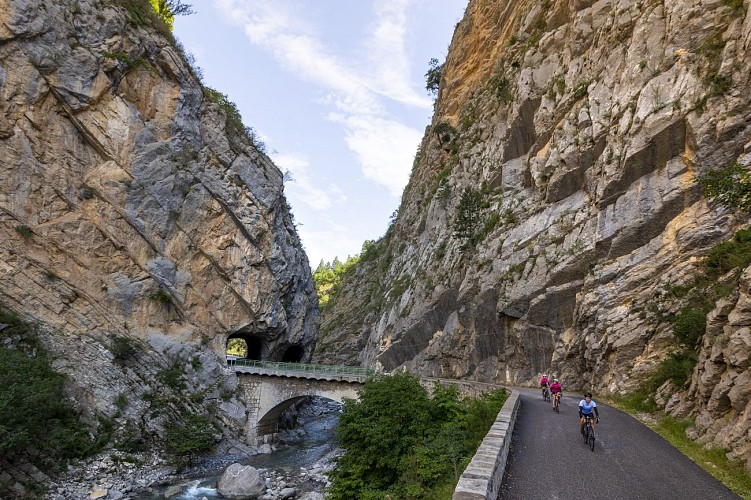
x: 388, y: 55
x: 383, y: 146
x: 302, y: 184
x: 336, y: 241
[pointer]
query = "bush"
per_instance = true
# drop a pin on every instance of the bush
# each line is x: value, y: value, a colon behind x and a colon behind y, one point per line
x: 24, y: 231
x: 122, y: 348
x: 689, y: 326
x: 401, y: 443
x: 729, y: 255
x: 35, y: 417
x: 189, y: 438
x: 729, y: 186
x: 172, y: 377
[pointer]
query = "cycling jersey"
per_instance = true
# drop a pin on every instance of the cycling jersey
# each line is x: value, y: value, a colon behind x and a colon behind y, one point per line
x: 555, y: 387
x: 544, y: 382
x: 586, y: 408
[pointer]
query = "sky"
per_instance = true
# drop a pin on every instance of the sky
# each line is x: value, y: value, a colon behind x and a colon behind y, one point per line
x: 336, y: 91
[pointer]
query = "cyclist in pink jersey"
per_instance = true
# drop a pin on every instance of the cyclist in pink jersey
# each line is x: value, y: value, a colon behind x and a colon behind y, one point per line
x: 555, y: 391
x: 544, y: 383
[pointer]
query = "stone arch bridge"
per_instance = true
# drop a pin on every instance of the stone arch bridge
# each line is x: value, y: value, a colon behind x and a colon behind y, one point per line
x: 270, y: 388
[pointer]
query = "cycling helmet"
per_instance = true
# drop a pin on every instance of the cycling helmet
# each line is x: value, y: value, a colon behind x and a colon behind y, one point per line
x: 587, y: 394
x: 555, y: 380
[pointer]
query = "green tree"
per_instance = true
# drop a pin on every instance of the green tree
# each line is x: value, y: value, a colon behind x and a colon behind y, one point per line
x: 168, y: 9
x: 401, y: 443
x: 327, y: 277
x: 467, y: 223
x: 433, y: 76
x: 35, y: 416
x: 192, y: 436
x: 729, y: 186
x: 378, y: 431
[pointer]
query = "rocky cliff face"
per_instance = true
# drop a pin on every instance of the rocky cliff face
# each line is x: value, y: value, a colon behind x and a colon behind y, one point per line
x: 136, y: 213
x: 581, y: 127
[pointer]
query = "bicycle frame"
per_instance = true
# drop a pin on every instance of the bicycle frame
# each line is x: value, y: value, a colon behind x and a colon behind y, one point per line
x: 589, y: 431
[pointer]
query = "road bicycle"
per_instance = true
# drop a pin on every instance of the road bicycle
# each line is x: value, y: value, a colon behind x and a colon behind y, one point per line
x: 588, y: 432
x: 557, y: 402
x: 546, y: 394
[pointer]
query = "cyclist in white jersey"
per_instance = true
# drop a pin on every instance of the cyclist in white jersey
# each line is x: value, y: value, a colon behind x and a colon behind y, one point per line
x: 586, y: 407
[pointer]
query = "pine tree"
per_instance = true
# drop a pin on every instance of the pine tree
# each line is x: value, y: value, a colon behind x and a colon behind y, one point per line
x: 467, y: 223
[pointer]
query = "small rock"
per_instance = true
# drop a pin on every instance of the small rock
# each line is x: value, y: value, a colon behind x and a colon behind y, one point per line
x: 265, y: 449
x: 172, y: 491
x: 287, y: 493
x: 312, y: 495
x: 98, y: 493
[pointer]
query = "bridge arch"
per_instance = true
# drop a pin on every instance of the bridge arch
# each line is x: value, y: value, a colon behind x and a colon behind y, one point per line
x: 270, y: 395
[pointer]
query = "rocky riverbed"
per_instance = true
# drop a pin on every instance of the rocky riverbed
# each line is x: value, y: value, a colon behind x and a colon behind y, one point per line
x: 296, y: 468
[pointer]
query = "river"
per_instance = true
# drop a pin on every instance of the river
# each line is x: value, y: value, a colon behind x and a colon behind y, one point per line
x: 314, y: 445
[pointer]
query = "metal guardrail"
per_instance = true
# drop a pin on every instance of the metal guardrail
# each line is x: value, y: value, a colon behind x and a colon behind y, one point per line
x: 281, y: 368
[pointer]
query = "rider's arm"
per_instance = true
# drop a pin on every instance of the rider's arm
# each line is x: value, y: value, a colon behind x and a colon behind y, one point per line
x: 597, y: 414
x: 581, y: 414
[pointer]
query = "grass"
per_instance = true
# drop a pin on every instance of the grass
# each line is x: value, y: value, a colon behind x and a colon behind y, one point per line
x: 731, y: 473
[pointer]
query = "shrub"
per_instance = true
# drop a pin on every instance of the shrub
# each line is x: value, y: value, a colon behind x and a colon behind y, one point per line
x: 162, y: 296
x: 729, y: 255
x: 122, y: 348
x: 233, y: 125
x: 190, y: 437
x: 729, y: 186
x: 689, y: 326
x: 172, y: 377
x: 501, y: 87
x: 401, y: 443
x: 24, y: 231
x: 736, y: 7
x: 35, y: 417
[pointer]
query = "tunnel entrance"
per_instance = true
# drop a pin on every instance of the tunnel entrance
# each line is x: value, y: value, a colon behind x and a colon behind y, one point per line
x: 244, y: 346
x: 293, y: 354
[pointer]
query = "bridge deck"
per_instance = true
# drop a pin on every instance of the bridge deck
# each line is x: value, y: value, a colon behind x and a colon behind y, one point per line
x: 301, y: 370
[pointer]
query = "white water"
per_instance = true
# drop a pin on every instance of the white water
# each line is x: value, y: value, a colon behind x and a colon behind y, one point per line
x: 318, y: 442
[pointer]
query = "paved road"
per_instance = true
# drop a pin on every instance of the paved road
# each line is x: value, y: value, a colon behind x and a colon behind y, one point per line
x: 549, y: 459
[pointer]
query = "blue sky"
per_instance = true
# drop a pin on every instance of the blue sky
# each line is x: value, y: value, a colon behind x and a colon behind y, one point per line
x: 336, y: 91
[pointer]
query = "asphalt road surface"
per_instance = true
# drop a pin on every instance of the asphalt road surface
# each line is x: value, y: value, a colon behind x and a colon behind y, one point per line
x: 549, y: 460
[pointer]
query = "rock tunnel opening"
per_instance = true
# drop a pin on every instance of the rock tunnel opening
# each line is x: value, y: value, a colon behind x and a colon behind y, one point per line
x: 293, y: 354
x: 244, y: 346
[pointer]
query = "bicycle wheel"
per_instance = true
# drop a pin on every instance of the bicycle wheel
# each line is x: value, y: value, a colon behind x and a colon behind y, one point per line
x: 586, y: 433
x: 592, y: 440
x: 557, y: 405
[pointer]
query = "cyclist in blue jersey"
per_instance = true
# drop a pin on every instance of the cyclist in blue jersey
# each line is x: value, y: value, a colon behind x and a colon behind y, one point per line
x: 586, y: 407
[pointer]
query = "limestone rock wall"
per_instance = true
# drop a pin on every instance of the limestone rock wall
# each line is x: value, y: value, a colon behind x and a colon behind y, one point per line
x: 719, y: 395
x: 132, y: 207
x: 582, y: 126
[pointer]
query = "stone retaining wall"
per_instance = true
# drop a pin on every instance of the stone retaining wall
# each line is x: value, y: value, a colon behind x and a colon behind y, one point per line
x: 483, y: 476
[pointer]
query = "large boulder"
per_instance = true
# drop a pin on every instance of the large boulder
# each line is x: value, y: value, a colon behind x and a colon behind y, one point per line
x: 240, y: 481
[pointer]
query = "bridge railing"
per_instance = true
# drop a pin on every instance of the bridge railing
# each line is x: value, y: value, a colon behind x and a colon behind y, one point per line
x: 300, y: 369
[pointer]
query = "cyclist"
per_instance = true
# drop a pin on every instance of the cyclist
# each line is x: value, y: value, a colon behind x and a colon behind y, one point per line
x: 544, y: 384
x: 586, y: 407
x: 555, y: 392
